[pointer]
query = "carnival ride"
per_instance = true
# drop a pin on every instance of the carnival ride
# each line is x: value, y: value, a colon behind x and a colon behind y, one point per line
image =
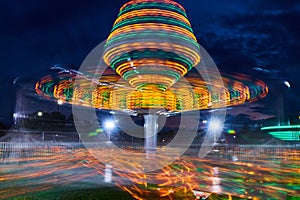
x: 151, y: 65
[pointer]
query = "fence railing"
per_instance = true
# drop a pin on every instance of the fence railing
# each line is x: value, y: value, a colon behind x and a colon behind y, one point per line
x: 24, y: 150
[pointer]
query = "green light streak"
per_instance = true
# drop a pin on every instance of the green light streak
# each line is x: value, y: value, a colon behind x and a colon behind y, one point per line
x: 149, y: 53
x: 286, y: 135
x: 152, y: 19
x: 231, y: 131
x: 147, y: 33
x: 281, y: 127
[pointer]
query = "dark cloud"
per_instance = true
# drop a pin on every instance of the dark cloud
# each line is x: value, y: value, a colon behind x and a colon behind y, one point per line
x: 266, y: 39
x: 251, y: 111
x: 274, y: 5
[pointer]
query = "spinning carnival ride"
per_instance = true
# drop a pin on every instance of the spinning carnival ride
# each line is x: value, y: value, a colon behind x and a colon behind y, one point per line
x: 152, y: 54
x: 152, y: 65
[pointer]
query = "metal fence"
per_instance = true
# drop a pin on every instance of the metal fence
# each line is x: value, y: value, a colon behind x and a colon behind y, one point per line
x: 257, y: 152
x: 23, y: 151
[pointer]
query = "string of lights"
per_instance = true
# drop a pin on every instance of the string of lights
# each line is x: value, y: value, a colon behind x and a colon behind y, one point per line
x: 152, y: 43
x: 178, y: 98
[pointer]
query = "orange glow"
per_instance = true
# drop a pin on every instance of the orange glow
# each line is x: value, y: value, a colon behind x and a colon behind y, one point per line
x: 151, y: 26
x: 145, y: 1
x: 152, y: 12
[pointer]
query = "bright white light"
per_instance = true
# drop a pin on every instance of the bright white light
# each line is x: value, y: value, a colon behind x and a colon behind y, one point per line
x: 59, y: 102
x: 109, y: 124
x: 15, y: 115
x: 215, y: 125
x: 40, y: 113
x: 287, y: 84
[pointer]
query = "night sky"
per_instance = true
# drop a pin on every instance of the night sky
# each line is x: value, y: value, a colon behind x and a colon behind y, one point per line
x: 257, y: 37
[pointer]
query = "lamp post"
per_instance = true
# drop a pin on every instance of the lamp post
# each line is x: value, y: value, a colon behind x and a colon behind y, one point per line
x: 59, y: 102
x: 282, y: 99
x: 214, y: 127
x: 109, y: 125
x: 40, y: 114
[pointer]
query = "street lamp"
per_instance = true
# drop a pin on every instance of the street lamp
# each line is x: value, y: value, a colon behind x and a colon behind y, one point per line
x: 40, y: 113
x: 287, y: 84
x: 282, y: 103
x: 109, y: 125
x: 215, y: 127
x: 59, y: 102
